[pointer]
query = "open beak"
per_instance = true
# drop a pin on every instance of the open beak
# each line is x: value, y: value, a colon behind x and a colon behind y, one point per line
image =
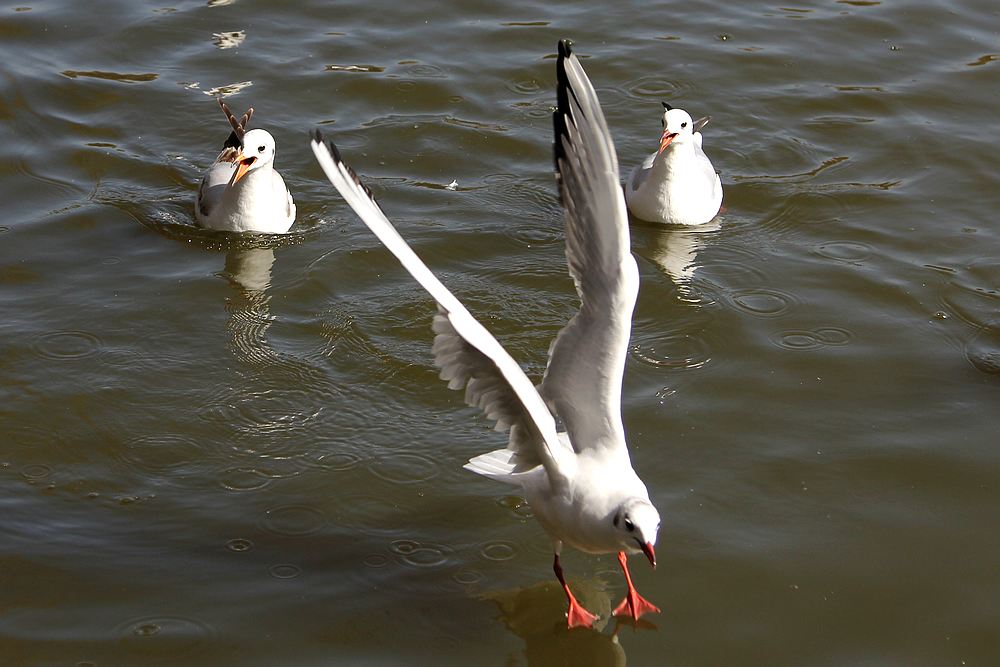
x: 242, y: 166
x: 647, y: 549
x: 666, y: 139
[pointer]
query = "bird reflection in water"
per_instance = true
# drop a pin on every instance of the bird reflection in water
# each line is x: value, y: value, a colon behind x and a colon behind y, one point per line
x: 675, y: 251
x: 537, y: 614
x: 248, y: 269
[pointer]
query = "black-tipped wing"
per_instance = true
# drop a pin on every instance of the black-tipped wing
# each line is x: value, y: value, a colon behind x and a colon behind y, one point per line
x: 466, y: 352
x: 583, y: 380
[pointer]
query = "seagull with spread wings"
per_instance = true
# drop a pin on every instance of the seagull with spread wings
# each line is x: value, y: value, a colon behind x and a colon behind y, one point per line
x: 579, y: 481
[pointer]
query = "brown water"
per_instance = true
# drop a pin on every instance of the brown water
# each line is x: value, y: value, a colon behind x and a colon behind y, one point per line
x: 221, y: 451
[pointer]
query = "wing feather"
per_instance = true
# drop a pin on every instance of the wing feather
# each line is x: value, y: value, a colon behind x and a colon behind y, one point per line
x: 583, y: 380
x: 466, y: 352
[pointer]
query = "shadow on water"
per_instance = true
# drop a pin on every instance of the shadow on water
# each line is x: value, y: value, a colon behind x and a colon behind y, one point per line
x: 537, y: 614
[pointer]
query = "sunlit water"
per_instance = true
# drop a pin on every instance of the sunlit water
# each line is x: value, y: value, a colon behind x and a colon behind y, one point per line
x: 222, y: 451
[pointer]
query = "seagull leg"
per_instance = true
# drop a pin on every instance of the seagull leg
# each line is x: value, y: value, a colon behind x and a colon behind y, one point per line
x: 576, y: 616
x: 633, y: 605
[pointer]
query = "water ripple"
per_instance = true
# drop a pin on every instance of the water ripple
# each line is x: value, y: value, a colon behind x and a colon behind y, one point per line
x: 36, y: 471
x: 420, y: 554
x: 294, y: 520
x: 678, y: 350
x: 161, y: 452
x: 844, y: 251
x: 336, y: 461
x: 244, y: 479
x: 498, y: 550
x: 656, y: 87
x: 61, y: 345
x: 375, y: 561
x: 467, y: 577
x: 239, y: 544
x: 404, y: 468
x: 284, y: 571
x: 177, y: 636
x: 763, y: 302
x: 803, y: 339
x: 983, y: 351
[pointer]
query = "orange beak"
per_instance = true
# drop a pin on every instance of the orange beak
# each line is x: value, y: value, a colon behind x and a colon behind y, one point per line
x: 647, y: 549
x: 666, y: 139
x: 243, y: 166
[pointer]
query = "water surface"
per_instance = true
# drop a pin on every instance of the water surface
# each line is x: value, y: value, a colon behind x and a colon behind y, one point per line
x: 219, y: 450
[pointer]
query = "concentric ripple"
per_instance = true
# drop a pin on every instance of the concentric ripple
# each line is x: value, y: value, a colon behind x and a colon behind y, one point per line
x: 36, y: 471
x: 294, y: 520
x: 159, y: 452
x: 239, y: 544
x: 762, y: 302
x: 284, y: 571
x: 244, y: 479
x: 498, y: 550
x: 680, y: 350
x: 61, y: 345
x: 806, y: 339
x: 405, y: 468
x: 419, y: 554
x: 336, y: 461
x: 844, y: 251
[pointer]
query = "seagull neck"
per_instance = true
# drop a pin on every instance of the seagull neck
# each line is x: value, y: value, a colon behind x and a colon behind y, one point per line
x: 672, y: 158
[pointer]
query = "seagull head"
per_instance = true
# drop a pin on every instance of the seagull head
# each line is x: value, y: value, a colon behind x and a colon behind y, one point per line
x: 257, y: 151
x: 636, y: 523
x: 678, y: 127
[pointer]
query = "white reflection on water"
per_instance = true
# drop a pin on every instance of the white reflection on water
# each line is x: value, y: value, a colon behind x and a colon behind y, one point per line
x: 249, y: 271
x: 675, y: 249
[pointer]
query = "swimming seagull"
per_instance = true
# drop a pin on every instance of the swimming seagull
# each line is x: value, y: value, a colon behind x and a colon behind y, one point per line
x: 579, y: 482
x: 677, y: 184
x: 242, y: 192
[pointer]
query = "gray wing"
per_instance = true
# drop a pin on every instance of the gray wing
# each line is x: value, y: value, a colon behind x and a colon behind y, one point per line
x: 466, y: 352
x: 213, y: 186
x: 583, y: 381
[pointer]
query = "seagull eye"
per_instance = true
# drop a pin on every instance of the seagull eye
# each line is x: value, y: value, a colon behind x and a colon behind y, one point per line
x: 260, y: 149
x: 684, y: 124
x: 629, y: 526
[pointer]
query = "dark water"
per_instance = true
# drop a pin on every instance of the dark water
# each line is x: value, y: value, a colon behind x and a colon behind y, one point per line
x: 221, y: 451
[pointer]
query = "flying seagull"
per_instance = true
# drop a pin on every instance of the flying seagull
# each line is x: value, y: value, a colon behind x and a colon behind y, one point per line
x: 578, y: 481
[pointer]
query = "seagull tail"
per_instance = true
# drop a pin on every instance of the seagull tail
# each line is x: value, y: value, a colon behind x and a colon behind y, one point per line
x: 496, y: 465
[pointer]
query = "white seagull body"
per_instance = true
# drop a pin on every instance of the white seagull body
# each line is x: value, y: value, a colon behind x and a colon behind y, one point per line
x: 579, y: 482
x: 676, y: 185
x: 242, y: 192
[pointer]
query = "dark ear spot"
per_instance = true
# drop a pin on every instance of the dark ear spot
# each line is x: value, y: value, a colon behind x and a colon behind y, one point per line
x: 617, y: 520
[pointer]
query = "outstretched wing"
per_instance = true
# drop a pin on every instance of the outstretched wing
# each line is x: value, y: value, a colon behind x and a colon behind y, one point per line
x: 466, y: 352
x: 583, y: 381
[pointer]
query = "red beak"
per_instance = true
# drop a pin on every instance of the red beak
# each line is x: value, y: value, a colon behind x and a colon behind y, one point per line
x: 666, y: 139
x: 647, y: 549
